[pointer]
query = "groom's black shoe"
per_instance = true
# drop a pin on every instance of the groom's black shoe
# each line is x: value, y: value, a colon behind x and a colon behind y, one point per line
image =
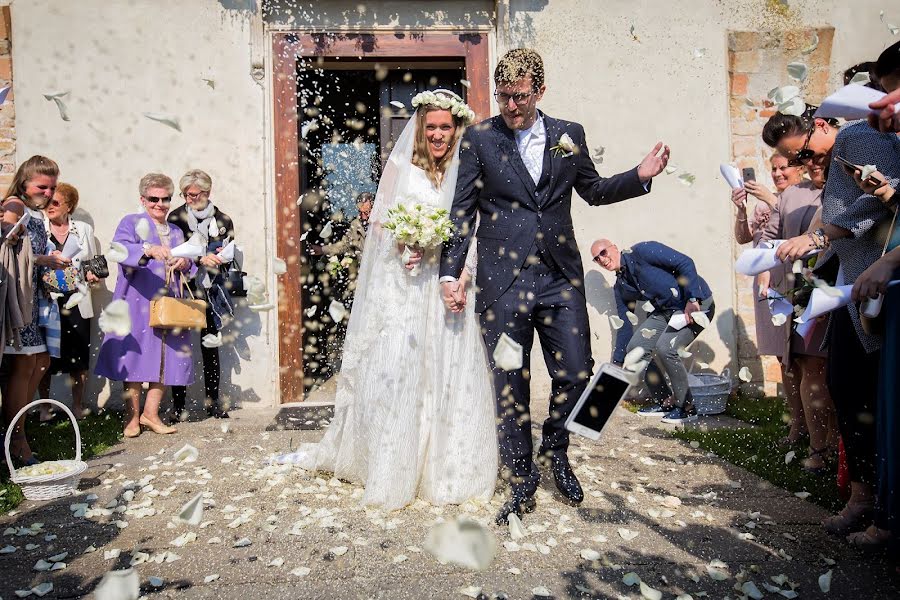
x: 565, y: 479
x: 517, y: 506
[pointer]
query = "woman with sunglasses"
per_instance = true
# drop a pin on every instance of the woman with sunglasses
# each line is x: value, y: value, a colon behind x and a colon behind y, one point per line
x: 851, y: 231
x: 145, y: 354
x: 770, y: 337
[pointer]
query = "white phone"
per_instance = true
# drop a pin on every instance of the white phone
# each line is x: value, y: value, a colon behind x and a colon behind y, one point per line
x: 592, y: 411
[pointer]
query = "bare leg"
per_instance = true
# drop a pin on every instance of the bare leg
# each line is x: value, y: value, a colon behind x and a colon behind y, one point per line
x: 44, y: 390
x: 817, y: 407
x: 23, y: 367
x: 132, y: 409
x: 790, y: 376
x: 78, y: 383
x: 150, y: 417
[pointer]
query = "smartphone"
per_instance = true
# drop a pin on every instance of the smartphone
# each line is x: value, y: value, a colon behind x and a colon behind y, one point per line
x: 596, y: 405
x: 748, y: 174
x: 843, y: 161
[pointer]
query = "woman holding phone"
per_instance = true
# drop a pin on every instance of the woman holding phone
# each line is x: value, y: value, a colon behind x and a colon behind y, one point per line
x: 770, y: 337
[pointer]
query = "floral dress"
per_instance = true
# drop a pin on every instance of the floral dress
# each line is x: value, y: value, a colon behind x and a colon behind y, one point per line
x: 33, y: 340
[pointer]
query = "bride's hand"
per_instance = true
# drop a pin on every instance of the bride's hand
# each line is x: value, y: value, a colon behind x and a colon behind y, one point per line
x: 415, y: 256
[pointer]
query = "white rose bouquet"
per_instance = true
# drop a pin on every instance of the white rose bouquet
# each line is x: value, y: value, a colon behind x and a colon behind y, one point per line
x: 418, y: 226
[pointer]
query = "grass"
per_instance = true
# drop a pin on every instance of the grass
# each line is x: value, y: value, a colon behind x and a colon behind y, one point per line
x: 56, y: 440
x: 757, y: 450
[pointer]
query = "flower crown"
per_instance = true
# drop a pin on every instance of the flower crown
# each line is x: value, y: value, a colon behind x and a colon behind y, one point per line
x: 446, y: 100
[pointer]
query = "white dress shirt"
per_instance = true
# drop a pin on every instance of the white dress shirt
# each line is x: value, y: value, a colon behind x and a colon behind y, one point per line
x: 531, y: 143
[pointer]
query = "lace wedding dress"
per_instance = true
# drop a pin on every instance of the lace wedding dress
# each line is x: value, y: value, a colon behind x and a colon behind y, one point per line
x: 414, y: 410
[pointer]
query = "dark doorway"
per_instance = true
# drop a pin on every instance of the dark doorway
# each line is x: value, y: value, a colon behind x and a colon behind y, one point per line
x: 349, y: 115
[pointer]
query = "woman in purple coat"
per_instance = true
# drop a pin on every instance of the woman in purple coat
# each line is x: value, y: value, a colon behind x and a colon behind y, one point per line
x: 156, y: 356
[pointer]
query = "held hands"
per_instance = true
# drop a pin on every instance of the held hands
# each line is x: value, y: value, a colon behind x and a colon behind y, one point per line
x: 874, y: 280
x: 794, y: 248
x: 654, y: 163
x: 158, y: 252
x: 689, y: 309
x: 54, y: 260
x: 211, y: 261
x: 454, y: 295
x: 761, y: 192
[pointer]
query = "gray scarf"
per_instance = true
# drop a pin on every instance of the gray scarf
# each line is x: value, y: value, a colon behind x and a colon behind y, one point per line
x: 202, y: 225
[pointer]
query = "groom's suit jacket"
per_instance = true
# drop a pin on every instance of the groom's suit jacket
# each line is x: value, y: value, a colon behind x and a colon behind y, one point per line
x: 517, y: 217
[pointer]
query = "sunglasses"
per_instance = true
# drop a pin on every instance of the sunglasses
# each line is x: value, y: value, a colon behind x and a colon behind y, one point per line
x: 602, y: 253
x: 805, y: 153
x: 155, y: 199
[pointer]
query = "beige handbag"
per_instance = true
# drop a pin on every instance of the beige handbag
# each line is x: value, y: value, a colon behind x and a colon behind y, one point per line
x: 168, y: 312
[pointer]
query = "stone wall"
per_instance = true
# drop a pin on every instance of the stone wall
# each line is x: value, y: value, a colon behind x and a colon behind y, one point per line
x: 757, y: 63
x: 8, y: 110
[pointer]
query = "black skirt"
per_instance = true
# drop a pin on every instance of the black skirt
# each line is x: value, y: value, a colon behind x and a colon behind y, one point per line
x: 75, y: 343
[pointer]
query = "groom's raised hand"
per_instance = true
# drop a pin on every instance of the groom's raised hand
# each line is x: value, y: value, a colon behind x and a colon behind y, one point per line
x: 654, y: 163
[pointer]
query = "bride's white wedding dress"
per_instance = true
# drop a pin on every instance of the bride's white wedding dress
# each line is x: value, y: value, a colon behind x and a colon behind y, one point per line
x: 414, y: 410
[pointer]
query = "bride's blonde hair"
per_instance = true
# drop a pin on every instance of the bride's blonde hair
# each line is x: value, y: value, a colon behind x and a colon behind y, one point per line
x: 422, y: 156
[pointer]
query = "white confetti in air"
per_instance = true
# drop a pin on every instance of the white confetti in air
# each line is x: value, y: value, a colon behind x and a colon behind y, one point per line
x: 779, y: 319
x: 463, y: 542
x: 797, y: 267
x: 119, y: 585
x: 307, y: 127
x: 795, y: 107
x: 812, y: 46
x: 648, y: 307
x: 687, y: 179
x: 670, y: 169
x: 616, y: 322
x: 507, y: 354
x: 279, y: 266
x: 867, y: 171
x: 326, y: 231
x: 632, y: 317
x: 633, y: 357
x: 142, y: 229
x: 257, y: 308
x: 116, y: 253
x: 783, y: 94
x: 798, y: 71
x: 397, y: 104
x: 311, y: 311
x: 744, y: 375
x: 466, y: 83
x: 211, y: 341
x: 699, y: 52
x: 337, y: 311
x: 825, y: 582
x: 648, y: 333
x: 165, y: 119
x: 789, y: 457
x: 73, y: 300
x: 187, y: 454
x: 684, y: 353
x: 115, y: 318
x: 57, y: 98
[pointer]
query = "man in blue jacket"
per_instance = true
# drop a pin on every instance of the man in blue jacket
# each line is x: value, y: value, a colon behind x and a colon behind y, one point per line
x: 665, y: 283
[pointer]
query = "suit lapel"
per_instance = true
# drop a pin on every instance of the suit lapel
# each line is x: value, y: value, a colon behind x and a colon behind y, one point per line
x: 511, y: 151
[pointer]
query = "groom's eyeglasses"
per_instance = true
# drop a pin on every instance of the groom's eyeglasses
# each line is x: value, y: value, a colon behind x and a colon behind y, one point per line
x: 600, y: 254
x: 520, y: 99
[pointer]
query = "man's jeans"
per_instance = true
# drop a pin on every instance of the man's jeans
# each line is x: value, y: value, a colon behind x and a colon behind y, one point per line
x: 661, y: 351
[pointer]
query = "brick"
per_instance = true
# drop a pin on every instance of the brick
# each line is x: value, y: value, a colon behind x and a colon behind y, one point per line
x: 772, y: 369
x: 740, y: 41
x: 743, y: 147
x: 745, y: 62
x: 739, y: 83
x: 6, y: 68
x: 746, y: 127
x: 767, y: 113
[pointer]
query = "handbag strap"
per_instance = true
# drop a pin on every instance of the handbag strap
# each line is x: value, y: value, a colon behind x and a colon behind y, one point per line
x: 890, y: 232
x: 171, y: 274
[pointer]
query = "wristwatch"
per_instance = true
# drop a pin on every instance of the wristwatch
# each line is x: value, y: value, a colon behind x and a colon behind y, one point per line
x: 692, y: 301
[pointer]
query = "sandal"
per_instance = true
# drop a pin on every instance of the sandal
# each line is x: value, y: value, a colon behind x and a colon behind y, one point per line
x: 872, y: 538
x: 853, y: 517
x: 788, y: 442
x: 822, y: 453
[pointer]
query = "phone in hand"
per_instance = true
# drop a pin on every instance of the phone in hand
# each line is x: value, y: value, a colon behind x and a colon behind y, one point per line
x: 846, y: 163
x: 598, y: 401
x: 748, y: 174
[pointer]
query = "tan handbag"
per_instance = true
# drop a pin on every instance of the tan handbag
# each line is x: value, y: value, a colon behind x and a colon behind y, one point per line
x: 178, y: 312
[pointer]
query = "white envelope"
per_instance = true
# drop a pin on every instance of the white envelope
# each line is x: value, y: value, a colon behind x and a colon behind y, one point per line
x: 731, y: 175
x: 851, y: 102
x: 227, y: 252
x: 679, y: 321
x: 188, y: 250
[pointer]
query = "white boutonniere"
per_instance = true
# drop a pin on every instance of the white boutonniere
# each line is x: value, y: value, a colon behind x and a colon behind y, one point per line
x: 564, y: 147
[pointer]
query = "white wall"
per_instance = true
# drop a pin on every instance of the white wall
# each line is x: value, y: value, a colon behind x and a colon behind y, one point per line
x: 119, y: 59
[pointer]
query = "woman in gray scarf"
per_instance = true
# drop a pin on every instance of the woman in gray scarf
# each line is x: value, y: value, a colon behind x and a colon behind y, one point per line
x: 204, y: 225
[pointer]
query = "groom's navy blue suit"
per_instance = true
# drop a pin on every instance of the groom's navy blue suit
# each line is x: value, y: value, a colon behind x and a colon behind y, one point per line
x: 530, y: 275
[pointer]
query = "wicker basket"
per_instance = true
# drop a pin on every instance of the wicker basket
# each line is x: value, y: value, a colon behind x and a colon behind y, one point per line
x: 710, y: 392
x: 57, y: 485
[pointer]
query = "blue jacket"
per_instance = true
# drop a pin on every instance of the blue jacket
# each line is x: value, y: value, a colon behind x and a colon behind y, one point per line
x: 653, y: 272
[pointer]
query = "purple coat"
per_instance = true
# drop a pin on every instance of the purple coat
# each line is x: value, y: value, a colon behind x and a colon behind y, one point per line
x: 137, y: 357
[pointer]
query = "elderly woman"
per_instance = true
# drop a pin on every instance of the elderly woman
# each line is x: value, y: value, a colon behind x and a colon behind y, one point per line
x: 156, y: 356
x: 203, y: 224
x: 74, y: 239
x: 31, y: 189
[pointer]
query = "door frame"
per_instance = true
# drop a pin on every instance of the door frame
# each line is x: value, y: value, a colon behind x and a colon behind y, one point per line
x: 287, y: 49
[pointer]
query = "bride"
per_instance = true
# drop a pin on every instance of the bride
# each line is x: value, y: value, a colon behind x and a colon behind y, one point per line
x: 414, y: 411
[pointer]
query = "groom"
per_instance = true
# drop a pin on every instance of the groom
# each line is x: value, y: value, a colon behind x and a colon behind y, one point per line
x: 517, y: 172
